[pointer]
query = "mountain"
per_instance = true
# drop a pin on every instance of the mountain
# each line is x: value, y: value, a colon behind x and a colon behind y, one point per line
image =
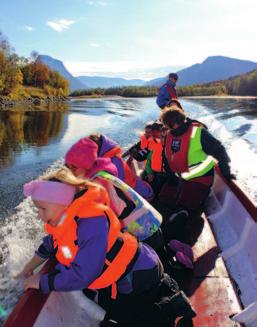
x: 211, y: 69
x: 55, y: 64
x: 106, y: 82
x: 241, y: 85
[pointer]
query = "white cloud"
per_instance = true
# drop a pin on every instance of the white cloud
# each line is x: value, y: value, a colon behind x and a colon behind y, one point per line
x: 95, y: 45
x: 28, y: 28
x: 60, y: 24
x: 100, y: 3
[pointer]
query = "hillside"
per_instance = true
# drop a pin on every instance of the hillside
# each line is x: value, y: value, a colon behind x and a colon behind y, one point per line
x: 212, y: 69
x: 55, y: 64
x: 243, y: 85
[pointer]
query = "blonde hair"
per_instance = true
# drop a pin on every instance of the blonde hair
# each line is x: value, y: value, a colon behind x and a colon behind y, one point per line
x: 66, y: 176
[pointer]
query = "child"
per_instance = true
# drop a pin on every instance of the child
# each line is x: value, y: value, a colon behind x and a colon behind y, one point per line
x: 140, y: 150
x: 136, y: 215
x: 92, y: 252
x: 97, y: 145
x: 154, y: 172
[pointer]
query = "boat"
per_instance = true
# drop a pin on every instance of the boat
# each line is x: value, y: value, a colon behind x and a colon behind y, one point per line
x: 223, y: 289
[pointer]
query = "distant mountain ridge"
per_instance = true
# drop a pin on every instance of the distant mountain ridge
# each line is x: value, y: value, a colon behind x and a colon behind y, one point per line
x: 107, y: 82
x: 211, y: 69
x: 55, y: 64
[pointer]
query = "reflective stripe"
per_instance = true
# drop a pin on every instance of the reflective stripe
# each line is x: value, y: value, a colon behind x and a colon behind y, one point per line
x: 194, y: 130
x: 66, y: 252
x: 134, y: 216
x: 144, y: 220
x: 200, y: 169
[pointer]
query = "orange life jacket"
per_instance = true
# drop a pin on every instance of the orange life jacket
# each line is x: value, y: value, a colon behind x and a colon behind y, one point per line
x: 156, y: 162
x: 130, y: 177
x: 144, y: 142
x: 113, y: 152
x: 121, y: 247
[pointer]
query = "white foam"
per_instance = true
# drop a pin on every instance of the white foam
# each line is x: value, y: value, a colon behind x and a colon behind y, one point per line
x: 242, y: 155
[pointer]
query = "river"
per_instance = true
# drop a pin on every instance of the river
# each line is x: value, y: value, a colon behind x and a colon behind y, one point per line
x: 33, y: 141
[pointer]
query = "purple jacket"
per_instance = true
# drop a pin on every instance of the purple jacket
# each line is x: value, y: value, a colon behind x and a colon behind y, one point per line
x: 142, y: 187
x: 89, y: 262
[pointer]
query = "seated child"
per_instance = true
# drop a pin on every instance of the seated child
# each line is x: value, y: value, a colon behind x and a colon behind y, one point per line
x: 85, y: 236
x: 140, y: 150
x: 154, y: 172
x: 97, y: 145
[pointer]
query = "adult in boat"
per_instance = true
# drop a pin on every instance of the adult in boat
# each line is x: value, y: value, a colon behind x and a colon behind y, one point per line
x: 85, y: 237
x: 82, y: 155
x: 168, y: 91
x: 189, y: 159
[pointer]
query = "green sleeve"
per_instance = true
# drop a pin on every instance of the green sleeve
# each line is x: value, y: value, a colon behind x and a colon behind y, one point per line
x: 148, y: 166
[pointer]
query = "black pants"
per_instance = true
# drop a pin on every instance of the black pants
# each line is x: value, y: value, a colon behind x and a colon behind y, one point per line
x: 156, y: 241
x: 140, y: 310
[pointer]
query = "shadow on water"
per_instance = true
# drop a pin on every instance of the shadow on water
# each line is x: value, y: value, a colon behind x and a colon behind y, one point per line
x: 242, y: 130
x: 238, y: 106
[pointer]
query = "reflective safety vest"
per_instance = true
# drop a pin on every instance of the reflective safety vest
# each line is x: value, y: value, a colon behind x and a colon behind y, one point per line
x: 156, y: 160
x: 121, y: 247
x: 143, y: 220
x: 129, y: 176
x: 185, y: 155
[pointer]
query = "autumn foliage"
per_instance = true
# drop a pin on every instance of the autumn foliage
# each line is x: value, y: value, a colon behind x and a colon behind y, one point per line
x: 16, y: 72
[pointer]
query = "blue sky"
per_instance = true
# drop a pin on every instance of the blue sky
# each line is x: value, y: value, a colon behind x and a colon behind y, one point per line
x: 121, y: 35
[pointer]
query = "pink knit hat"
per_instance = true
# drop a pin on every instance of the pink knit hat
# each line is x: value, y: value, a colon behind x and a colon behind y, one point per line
x: 82, y: 154
x: 53, y: 192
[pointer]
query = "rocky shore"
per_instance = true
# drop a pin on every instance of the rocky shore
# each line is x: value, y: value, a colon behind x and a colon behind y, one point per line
x: 6, y: 103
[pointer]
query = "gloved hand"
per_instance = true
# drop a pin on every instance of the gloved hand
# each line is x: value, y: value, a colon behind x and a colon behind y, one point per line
x: 230, y: 177
x: 226, y: 173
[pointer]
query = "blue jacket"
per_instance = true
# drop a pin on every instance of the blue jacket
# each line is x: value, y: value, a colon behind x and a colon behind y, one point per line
x: 164, y: 97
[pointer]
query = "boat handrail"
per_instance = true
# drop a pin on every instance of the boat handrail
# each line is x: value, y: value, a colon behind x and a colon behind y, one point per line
x: 246, y: 201
x: 29, y: 305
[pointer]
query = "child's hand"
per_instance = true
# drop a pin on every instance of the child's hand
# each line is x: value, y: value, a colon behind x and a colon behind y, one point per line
x: 25, y: 273
x: 32, y: 282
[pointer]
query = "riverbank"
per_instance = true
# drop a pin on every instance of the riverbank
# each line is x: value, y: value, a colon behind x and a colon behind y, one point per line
x: 30, y: 102
x: 219, y: 97
x: 30, y: 97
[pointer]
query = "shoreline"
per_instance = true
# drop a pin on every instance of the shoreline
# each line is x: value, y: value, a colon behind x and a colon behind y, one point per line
x: 95, y: 97
x: 218, y: 97
x: 6, y: 103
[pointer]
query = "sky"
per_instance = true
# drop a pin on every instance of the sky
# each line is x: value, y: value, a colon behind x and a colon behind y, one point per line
x: 109, y: 37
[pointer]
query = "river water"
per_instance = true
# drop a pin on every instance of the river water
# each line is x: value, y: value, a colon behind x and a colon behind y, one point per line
x: 33, y: 141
